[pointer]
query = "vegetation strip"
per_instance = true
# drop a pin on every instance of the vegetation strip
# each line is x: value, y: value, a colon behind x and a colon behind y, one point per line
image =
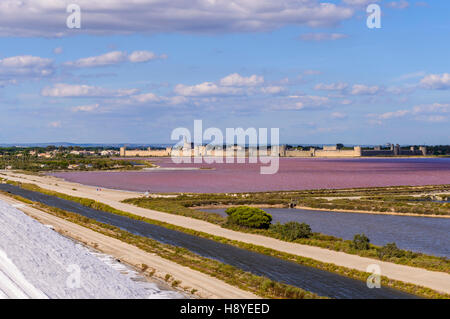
x: 351, y: 273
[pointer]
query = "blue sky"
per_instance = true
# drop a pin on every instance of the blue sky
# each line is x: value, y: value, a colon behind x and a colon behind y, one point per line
x: 137, y: 70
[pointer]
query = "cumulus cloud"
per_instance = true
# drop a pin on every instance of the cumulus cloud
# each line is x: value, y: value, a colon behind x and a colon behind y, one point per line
x: 100, y: 60
x: 338, y: 115
x: 431, y: 108
x: 144, y: 56
x: 206, y: 89
x: 390, y: 115
x: 435, y: 112
x: 361, y: 89
x: 237, y: 80
x: 318, y: 37
x: 115, y: 57
x: 306, y: 102
x: 4, y: 83
x: 231, y: 85
x: 47, y: 18
x: 75, y: 90
x: 436, y: 81
x: 152, y: 98
x: 26, y: 66
x: 86, y: 108
x: 272, y: 90
x: 331, y: 87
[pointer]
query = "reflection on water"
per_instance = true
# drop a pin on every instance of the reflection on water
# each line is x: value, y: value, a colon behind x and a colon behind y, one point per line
x: 420, y: 234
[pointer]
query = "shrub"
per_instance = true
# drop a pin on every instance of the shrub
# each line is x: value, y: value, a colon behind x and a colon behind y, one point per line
x: 390, y: 250
x: 360, y: 242
x: 248, y: 217
x: 292, y: 230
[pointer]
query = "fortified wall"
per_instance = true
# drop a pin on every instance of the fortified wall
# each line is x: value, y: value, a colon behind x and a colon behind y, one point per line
x: 145, y: 153
x: 325, y: 152
x: 238, y: 151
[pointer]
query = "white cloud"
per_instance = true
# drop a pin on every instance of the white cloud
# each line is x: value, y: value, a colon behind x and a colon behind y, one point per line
x: 85, y: 108
x: 401, y: 4
x: 318, y: 37
x: 305, y: 102
x: 436, y: 81
x: 434, y: 118
x: 338, y: 115
x: 231, y: 85
x: 409, y: 76
x: 331, y: 87
x: 26, y: 66
x: 115, y: 57
x: 429, y: 113
x: 206, y: 89
x: 390, y: 115
x: 75, y: 90
x: 146, y: 97
x: 272, y: 90
x: 144, y: 56
x: 47, y: 18
x: 151, y: 98
x: 237, y: 80
x: 109, y: 58
x: 431, y: 108
x: 4, y: 83
x: 361, y: 89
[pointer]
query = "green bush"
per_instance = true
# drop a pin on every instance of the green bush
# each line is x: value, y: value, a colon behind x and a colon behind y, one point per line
x: 292, y: 230
x: 360, y: 242
x: 390, y: 250
x: 249, y: 217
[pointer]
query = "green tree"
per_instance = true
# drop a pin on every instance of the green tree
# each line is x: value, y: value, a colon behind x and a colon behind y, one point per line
x: 390, y: 250
x: 248, y: 217
x: 360, y: 242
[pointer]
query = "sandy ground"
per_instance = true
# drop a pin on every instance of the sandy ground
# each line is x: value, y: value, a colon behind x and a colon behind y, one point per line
x: 207, y: 287
x: 435, y: 280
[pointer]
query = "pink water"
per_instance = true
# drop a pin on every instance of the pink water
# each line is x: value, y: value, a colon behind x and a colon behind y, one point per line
x: 294, y: 174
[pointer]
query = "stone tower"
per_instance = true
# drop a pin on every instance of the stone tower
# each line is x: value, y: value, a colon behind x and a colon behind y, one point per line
x: 423, y: 149
x: 357, y: 151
